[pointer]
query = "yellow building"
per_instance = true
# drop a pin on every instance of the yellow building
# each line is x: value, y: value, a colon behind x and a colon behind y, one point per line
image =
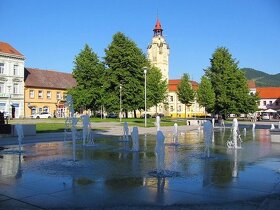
x: 45, y: 91
x: 176, y: 108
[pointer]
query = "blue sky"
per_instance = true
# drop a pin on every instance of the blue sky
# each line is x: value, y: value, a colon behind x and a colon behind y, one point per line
x: 50, y: 33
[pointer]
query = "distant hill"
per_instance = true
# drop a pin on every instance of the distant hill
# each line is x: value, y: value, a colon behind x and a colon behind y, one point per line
x: 262, y: 79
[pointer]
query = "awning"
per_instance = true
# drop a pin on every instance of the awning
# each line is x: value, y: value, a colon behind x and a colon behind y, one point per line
x: 270, y: 110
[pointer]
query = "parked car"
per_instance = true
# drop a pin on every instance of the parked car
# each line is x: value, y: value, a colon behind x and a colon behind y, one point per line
x: 99, y: 115
x: 158, y: 114
x: 143, y: 116
x: 112, y: 115
x: 7, y: 115
x: 265, y: 116
x: 42, y: 115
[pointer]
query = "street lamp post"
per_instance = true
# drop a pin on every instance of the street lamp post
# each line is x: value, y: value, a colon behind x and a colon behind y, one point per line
x: 145, y: 74
x: 120, y: 102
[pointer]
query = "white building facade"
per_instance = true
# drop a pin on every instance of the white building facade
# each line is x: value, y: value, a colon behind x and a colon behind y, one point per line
x: 11, y: 81
x: 269, y: 98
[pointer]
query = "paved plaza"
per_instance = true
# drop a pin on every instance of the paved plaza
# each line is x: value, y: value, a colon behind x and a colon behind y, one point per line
x: 110, y: 176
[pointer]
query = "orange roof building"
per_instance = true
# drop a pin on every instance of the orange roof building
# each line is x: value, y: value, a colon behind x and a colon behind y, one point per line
x: 269, y: 98
x: 269, y: 92
x: 45, y: 91
x: 7, y: 50
x: 173, y: 83
x: 176, y: 108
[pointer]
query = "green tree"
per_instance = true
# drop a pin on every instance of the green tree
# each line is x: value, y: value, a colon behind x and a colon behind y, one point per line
x: 185, y: 93
x: 125, y: 62
x: 88, y: 71
x: 229, y: 83
x: 156, y: 88
x: 206, y: 94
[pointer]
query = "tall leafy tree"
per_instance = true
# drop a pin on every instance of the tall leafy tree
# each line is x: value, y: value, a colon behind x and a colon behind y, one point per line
x: 229, y: 83
x: 88, y: 71
x: 206, y: 94
x: 156, y: 88
x: 185, y: 93
x: 125, y: 62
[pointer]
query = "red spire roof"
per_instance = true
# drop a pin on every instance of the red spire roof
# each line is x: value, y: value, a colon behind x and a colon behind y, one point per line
x: 158, y: 30
x: 158, y: 25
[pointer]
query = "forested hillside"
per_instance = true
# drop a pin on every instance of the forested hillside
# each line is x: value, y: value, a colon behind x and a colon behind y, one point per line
x: 262, y: 79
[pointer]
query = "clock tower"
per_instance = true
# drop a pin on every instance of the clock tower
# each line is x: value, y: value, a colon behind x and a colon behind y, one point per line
x: 158, y: 51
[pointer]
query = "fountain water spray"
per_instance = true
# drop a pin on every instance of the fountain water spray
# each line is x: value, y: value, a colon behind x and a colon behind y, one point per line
x: 223, y: 123
x: 125, y: 131
x: 20, y: 135
x: 244, y: 131
x: 158, y: 123
x: 213, y: 122
x: 235, y: 164
x: 74, y: 135
x: 233, y: 143
x: 208, y: 132
x: 74, y: 121
x: 175, y: 134
x: 87, y: 137
x: 135, y: 139
x: 160, y: 153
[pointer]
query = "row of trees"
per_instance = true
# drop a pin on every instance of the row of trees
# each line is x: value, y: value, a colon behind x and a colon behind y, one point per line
x: 223, y: 88
x: 98, y: 82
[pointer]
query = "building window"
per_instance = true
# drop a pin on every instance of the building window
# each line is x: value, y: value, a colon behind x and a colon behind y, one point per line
x: 40, y: 110
x: 270, y: 102
x: 1, y: 68
x: 15, y: 88
x: 171, y: 109
x: 179, y: 108
x: 49, y: 95
x: 16, y: 73
x: 58, y: 95
x: 31, y: 94
x: 40, y: 94
x: 171, y: 98
x: 45, y: 109
x: 264, y: 103
x: 1, y: 87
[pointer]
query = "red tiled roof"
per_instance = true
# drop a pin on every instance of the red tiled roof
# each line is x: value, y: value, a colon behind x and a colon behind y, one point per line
x: 251, y: 84
x: 8, y: 49
x: 48, y: 79
x: 269, y: 92
x: 173, y: 83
